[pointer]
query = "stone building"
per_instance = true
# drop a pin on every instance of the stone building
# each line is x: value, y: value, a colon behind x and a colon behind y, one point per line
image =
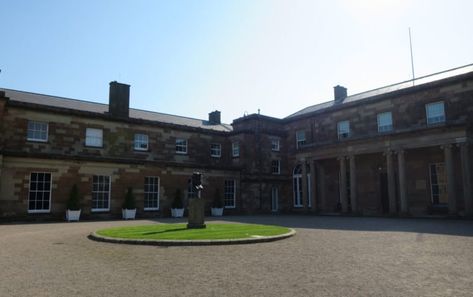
x: 404, y: 149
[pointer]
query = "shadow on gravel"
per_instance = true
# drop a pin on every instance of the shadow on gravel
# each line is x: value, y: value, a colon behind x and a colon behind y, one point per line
x: 419, y: 225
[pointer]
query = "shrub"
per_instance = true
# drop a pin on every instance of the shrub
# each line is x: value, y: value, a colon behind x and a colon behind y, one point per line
x: 129, y: 202
x: 218, y: 201
x: 177, y: 202
x: 74, y: 200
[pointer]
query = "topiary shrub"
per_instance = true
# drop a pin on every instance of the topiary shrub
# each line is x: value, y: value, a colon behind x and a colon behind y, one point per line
x: 177, y: 201
x: 218, y: 201
x: 73, y: 203
x: 129, y: 202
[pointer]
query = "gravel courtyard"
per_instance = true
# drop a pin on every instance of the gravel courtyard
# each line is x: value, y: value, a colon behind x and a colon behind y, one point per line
x: 329, y: 256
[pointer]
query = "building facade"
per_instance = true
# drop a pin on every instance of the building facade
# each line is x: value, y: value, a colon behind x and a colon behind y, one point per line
x: 403, y: 149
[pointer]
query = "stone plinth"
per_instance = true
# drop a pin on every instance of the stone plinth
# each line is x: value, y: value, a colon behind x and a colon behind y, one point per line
x: 196, y: 213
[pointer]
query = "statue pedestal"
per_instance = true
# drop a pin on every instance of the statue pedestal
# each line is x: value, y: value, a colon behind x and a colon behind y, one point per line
x: 196, y: 213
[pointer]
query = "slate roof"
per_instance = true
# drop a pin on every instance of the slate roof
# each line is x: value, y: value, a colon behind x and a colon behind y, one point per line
x: 385, y: 90
x: 80, y: 105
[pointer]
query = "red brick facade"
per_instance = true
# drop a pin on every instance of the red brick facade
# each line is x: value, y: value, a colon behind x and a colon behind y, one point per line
x: 415, y: 168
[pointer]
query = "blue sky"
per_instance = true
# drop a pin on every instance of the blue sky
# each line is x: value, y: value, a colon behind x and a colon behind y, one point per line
x: 192, y: 57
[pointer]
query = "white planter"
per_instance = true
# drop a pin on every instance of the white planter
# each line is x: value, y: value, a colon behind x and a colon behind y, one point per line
x: 72, y: 215
x: 216, y: 212
x: 128, y: 214
x: 177, y: 212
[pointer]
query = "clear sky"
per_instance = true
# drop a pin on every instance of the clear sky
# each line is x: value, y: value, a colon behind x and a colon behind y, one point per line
x: 192, y: 57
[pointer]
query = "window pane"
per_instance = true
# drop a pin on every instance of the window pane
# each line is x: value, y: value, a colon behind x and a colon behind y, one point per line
x: 39, y: 192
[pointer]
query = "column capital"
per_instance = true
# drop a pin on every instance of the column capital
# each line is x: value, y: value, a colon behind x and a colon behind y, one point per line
x: 388, y: 152
x: 446, y: 146
x: 462, y: 144
x: 400, y: 152
x: 339, y: 158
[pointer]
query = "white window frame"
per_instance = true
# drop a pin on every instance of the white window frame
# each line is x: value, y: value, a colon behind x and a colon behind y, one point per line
x: 275, y: 145
x: 215, y: 150
x: 151, y: 189
x: 37, y: 129
x: 191, y: 191
x: 433, y: 119
x: 30, y: 191
x: 300, y: 138
x: 140, y: 142
x: 181, y: 146
x: 109, y: 192
x: 384, y: 127
x: 275, y: 165
x: 442, y: 186
x: 94, y: 140
x: 274, y: 199
x: 343, y: 129
x: 229, y: 193
x: 236, y: 149
x: 297, y: 187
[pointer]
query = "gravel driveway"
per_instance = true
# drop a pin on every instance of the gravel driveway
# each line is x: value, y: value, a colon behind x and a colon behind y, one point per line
x: 329, y: 256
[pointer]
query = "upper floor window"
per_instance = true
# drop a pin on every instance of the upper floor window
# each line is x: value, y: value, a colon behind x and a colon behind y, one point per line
x: 435, y: 113
x: 181, y: 146
x: 141, y: 142
x: 94, y: 137
x: 343, y: 129
x: 235, y: 149
x: 37, y: 131
x: 385, y: 122
x: 275, y: 145
x: 300, y: 138
x: 215, y: 150
x: 275, y: 167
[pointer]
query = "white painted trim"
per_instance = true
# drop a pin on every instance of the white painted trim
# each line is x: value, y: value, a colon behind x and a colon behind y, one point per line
x: 50, y: 194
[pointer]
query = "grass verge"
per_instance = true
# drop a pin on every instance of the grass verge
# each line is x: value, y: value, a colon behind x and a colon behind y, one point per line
x: 180, y: 232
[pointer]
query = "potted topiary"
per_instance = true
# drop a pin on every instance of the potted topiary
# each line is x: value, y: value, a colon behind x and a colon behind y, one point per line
x: 73, y: 205
x: 217, y: 204
x: 177, y: 207
x: 129, y: 208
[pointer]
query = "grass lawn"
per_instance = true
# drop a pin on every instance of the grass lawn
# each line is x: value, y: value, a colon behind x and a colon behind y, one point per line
x: 180, y: 232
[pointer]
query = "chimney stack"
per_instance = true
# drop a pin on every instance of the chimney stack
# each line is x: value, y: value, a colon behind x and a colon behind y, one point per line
x: 119, y: 100
x: 340, y: 93
x: 214, y: 117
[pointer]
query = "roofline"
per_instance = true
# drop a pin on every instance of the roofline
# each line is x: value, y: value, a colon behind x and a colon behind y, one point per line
x: 100, y: 103
x: 108, y: 117
x: 407, y: 90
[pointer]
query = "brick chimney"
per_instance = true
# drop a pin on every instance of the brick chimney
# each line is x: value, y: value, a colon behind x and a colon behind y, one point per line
x: 214, y: 117
x: 119, y: 100
x: 340, y: 93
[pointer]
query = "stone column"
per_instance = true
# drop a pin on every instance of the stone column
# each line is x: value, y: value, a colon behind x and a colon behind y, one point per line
x: 321, y: 186
x: 402, y: 181
x: 452, y: 197
x: 353, y: 198
x: 304, y: 183
x: 391, y: 182
x: 466, y: 174
x: 313, y: 187
x: 343, y: 184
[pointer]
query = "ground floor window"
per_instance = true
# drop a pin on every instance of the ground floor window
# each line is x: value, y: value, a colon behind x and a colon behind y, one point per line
x: 274, y: 199
x: 191, y: 191
x: 151, y: 197
x: 297, y: 186
x: 39, y: 198
x: 101, y: 193
x: 438, y: 183
x: 229, y: 193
